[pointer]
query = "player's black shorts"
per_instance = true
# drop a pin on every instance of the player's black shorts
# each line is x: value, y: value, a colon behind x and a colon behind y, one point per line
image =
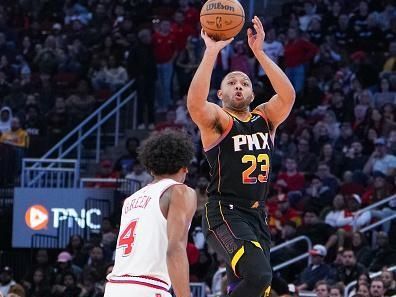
x: 228, y: 226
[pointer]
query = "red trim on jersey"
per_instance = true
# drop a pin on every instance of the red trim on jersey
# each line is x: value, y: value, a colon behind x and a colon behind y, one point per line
x: 132, y: 282
x: 146, y: 277
x: 225, y: 133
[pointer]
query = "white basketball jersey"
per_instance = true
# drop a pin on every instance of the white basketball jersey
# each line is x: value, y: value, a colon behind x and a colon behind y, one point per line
x: 142, y: 242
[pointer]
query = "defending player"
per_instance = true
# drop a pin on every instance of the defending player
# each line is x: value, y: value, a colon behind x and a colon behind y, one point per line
x: 238, y: 144
x: 151, y: 246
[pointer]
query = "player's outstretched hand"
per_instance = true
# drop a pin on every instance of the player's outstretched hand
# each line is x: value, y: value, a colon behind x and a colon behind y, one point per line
x: 256, y: 41
x: 212, y: 44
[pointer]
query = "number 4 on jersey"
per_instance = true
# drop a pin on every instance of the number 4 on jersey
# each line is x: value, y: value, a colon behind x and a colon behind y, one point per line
x: 127, y: 238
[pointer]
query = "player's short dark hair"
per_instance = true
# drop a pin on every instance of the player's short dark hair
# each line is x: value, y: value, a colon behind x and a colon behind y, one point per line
x: 166, y: 152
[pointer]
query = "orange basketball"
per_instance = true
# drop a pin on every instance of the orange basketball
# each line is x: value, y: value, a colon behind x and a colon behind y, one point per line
x: 222, y: 19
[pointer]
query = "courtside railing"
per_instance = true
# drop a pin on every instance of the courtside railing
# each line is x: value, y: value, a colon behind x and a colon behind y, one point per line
x: 295, y: 259
x: 50, y: 173
x: 115, y: 113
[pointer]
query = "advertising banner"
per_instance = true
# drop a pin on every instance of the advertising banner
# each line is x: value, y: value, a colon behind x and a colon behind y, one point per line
x: 47, y: 211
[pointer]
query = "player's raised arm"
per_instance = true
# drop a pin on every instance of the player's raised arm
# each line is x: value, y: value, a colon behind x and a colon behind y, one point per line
x: 202, y: 112
x: 280, y: 105
x: 182, y: 206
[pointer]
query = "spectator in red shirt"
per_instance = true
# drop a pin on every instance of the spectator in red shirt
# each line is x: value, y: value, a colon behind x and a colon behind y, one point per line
x: 298, y: 52
x: 291, y: 179
x: 165, y: 51
x: 105, y: 171
x: 286, y: 212
x: 181, y: 30
x: 190, y: 13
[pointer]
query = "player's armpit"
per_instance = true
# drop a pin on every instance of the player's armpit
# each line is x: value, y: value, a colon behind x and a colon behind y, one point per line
x: 203, y: 114
x: 182, y: 206
x: 276, y: 110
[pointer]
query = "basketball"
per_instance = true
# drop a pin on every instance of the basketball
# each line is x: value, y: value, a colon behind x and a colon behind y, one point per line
x: 222, y: 19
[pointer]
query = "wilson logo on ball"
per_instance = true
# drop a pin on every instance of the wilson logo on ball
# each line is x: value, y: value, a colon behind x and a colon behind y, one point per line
x: 219, y: 5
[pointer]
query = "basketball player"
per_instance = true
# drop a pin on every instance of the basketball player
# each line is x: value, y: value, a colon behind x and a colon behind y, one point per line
x: 151, y: 246
x: 238, y: 145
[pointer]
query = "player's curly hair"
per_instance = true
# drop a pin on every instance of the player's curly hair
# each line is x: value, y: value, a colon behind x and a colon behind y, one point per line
x: 166, y: 152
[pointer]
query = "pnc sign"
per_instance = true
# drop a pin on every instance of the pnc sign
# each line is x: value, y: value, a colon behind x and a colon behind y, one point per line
x: 57, y: 213
x: 37, y: 217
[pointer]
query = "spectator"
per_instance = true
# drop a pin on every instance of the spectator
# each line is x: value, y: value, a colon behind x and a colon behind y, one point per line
x: 316, y: 271
x: 351, y: 218
x: 312, y: 95
x: 109, y: 237
x: 5, y: 119
x: 377, y: 288
x: 314, y: 229
x: 187, y: 63
x: 383, y: 254
x: 307, y: 162
x: 139, y: 174
x: 317, y: 194
x: 380, y: 189
x: 337, y: 211
x: 353, y: 158
x: 115, y: 75
x: 68, y: 287
x: 239, y: 60
x: 41, y: 263
x: 40, y: 285
x: 363, y: 290
x: 90, y: 288
x: 181, y: 30
x: 328, y: 177
x: 165, y: 50
x: 361, y: 248
x: 341, y: 109
x: 350, y: 268
x: 322, y: 289
x: 297, y: 52
x: 36, y: 130
x: 64, y: 264
x: 17, y: 290
x: 345, y: 139
x: 385, y: 94
x: 388, y: 279
x: 76, y: 249
x: 80, y: 103
x: 291, y: 179
x: 16, y: 137
x: 96, y: 263
x: 57, y: 121
x: 125, y: 163
x: 169, y: 122
x: 337, y: 290
x: 6, y: 280
x: 380, y: 160
x: 141, y: 66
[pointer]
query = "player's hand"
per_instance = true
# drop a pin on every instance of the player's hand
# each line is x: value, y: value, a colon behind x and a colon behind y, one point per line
x: 256, y: 41
x: 214, y: 45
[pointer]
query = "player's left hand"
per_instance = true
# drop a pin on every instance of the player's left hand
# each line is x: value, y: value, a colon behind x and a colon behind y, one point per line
x: 256, y: 41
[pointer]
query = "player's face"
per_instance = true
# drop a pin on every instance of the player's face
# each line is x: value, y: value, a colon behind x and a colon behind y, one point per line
x: 236, y: 91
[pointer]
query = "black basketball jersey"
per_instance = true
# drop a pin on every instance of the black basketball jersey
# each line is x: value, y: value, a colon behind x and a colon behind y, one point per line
x: 240, y: 160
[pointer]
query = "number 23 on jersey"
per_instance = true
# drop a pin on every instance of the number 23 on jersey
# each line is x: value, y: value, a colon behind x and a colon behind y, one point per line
x: 262, y: 161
